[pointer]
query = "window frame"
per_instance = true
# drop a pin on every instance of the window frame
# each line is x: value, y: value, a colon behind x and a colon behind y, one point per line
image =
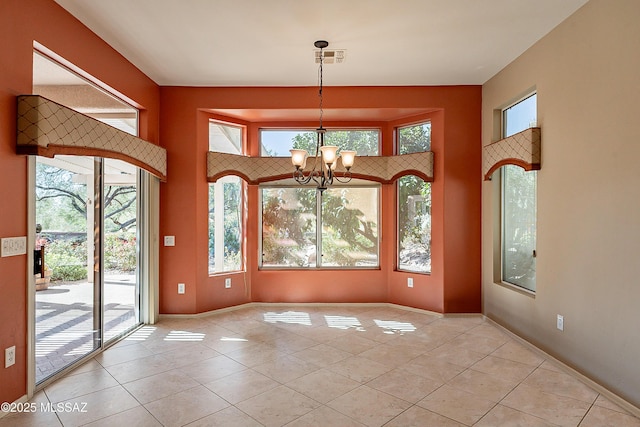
x: 319, y: 226
x: 502, y: 201
x: 241, y: 206
x: 397, y: 189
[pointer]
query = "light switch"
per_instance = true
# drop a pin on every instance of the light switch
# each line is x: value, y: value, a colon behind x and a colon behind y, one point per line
x: 12, y: 246
x: 169, y: 240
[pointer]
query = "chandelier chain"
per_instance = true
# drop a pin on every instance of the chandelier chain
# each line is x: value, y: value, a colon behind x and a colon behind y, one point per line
x: 320, y: 86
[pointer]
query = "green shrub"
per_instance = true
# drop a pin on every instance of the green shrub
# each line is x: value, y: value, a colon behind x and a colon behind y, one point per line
x: 120, y: 252
x: 67, y: 260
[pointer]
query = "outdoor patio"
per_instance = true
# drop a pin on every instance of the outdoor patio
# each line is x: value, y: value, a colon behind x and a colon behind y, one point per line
x: 64, y: 320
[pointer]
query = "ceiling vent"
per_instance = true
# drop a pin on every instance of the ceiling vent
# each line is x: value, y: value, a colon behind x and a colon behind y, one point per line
x: 331, y: 56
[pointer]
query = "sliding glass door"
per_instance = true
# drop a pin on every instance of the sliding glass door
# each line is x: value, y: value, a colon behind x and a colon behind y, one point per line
x: 121, y: 298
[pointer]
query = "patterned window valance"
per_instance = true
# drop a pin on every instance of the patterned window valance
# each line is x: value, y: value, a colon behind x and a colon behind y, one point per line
x: 256, y: 170
x: 521, y: 149
x: 46, y: 128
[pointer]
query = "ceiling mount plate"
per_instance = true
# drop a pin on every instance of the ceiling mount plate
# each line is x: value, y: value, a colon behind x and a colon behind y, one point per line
x: 321, y: 44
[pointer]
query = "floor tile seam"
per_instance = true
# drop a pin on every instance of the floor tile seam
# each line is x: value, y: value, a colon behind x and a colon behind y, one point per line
x: 457, y: 421
x: 178, y: 392
x: 89, y: 373
x: 144, y: 405
x: 357, y: 421
x: 326, y: 405
x: 505, y: 395
x: 448, y: 383
x: 219, y: 378
x: 140, y: 405
x: 502, y: 402
x: 156, y: 355
x: 516, y: 361
x: 446, y: 341
x: 163, y: 397
x: 587, y: 412
x: 316, y: 400
x: 557, y: 394
x: 521, y: 412
x: 76, y: 398
x: 142, y: 377
x: 517, y: 381
x: 388, y: 394
x: 220, y: 410
x: 483, y: 415
x: 516, y: 386
x: 270, y: 390
x: 250, y: 397
x: 620, y: 410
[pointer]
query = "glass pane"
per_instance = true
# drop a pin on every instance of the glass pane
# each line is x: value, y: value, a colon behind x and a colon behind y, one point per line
x: 66, y: 323
x: 520, y: 116
x: 277, y: 143
x: 224, y: 138
x: 519, y: 204
x: 288, y: 227
x: 414, y: 139
x: 121, y: 287
x: 225, y: 225
x: 350, y: 227
x: 414, y: 205
x: 519, y: 227
x: 225, y: 204
x: 414, y: 224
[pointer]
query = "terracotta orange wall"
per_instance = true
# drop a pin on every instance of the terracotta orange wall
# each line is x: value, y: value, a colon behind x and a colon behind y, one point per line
x: 22, y: 23
x: 453, y: 286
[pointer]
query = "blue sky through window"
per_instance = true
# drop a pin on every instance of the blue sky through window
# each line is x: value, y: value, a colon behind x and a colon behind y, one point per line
x: 277, y: 143
x: 520, y: 116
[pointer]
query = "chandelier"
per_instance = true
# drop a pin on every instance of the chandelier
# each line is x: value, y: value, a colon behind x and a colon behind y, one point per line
x: 325, y: 159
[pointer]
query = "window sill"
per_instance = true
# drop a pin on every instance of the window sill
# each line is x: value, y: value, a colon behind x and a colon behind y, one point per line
x: 516, y: 288
x: 423, y: 273
x: 284, y: 268
x: 225, y: 273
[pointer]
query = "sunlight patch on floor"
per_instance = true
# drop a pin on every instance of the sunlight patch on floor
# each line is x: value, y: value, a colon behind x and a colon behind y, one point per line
x: 292, y: 317
x: 184, y: 336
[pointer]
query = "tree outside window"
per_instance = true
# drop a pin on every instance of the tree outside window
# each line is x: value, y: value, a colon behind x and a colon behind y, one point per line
x: 414, y: 205
x: 225, y: 204
x: 302, y: 227
x: 519, y: 204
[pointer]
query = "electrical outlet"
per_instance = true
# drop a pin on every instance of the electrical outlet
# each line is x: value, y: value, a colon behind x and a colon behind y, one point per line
x: 560, y: 322
x: 227, y: 283
x: 10, y: 356
x: 410, y: 282
x: 181, y: 288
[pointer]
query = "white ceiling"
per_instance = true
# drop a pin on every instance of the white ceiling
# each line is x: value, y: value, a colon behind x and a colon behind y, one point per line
x: 270, y: 42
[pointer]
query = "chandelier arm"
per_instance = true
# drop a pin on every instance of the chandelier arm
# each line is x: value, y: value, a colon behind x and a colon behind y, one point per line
x: 298, y: 175
x: 346, y: 177
x: 318, y: 178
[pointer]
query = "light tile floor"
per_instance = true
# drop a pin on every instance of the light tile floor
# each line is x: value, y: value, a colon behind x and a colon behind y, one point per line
x: 320, y: 366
